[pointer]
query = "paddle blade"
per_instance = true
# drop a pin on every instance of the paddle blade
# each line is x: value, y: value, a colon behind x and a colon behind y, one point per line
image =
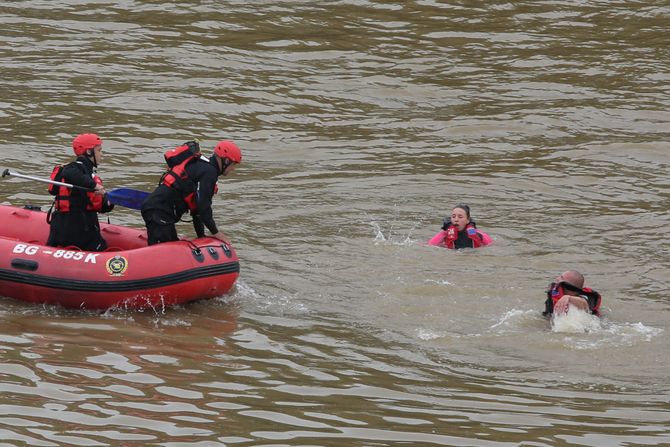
x: 130, y: 198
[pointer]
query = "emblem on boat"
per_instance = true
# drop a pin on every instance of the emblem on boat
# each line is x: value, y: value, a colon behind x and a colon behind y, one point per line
x: 117, y: 265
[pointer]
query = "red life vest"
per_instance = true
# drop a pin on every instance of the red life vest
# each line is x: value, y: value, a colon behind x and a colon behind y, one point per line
x: 176, y: 176
x: 452, y: 235
x: 556, y: 292
x: 63, y: 203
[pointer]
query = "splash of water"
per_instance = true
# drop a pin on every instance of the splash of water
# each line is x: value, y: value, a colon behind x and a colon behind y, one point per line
x: 511, y: 319
x: 575, y: 321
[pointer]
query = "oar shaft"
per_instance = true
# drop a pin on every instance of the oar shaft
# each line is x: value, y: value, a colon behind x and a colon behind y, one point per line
x: 44, y: 180
x: 130, y: 198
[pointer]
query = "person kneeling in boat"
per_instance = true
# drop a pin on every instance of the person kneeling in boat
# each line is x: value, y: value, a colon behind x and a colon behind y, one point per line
x: 568, y: 290
x: 188, y: 185
x: 460, y: 231
x: 74, y: 220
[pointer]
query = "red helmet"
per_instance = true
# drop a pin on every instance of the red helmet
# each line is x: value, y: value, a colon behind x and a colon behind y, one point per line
x: 85, y: 142
x: 228, y: 149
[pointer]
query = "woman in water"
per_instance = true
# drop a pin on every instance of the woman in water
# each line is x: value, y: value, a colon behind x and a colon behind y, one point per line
x: 460, y: 231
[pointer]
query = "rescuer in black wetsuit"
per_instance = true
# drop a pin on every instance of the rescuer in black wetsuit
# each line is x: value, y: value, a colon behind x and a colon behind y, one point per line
x: 189, y: 186
x: 74, y: 220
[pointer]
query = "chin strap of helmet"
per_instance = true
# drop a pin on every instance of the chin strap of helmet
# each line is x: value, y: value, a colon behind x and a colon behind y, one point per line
x: 225, y: 162
x: 91, y: 155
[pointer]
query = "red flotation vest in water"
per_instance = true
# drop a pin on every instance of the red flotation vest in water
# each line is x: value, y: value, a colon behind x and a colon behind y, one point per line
x: 557, y: 291
x: 452, y: 235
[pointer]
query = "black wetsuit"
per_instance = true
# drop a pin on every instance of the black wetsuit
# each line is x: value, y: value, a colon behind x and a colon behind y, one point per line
x: 166, y: 205
x: 464, y: 240
x: 78, y: 227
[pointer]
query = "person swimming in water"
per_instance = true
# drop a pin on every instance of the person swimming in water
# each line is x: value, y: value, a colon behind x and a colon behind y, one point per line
x: 460, y: 231
x: 568, y: 290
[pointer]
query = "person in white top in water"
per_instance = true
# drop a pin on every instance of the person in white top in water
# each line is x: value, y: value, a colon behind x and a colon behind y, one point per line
x: 568, y: 290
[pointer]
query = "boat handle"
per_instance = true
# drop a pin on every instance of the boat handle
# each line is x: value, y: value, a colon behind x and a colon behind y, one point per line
x: 197, y: 254
x: 213, y: 253
x: 25, y: 264
x: 226, y: 249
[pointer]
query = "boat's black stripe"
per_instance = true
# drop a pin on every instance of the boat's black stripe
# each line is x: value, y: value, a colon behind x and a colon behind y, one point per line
x: 119, y: 286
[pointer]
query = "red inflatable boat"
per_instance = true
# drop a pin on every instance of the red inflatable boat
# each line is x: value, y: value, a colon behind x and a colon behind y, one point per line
x: 129, y: 275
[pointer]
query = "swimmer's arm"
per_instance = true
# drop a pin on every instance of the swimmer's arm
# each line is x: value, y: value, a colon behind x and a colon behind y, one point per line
x: 579, y: 302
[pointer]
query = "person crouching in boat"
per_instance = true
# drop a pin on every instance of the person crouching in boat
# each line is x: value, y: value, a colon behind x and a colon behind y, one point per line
x: 460, y: 231
x: 73, y: 217
x: 568, y: 290
x: 188, y: 185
